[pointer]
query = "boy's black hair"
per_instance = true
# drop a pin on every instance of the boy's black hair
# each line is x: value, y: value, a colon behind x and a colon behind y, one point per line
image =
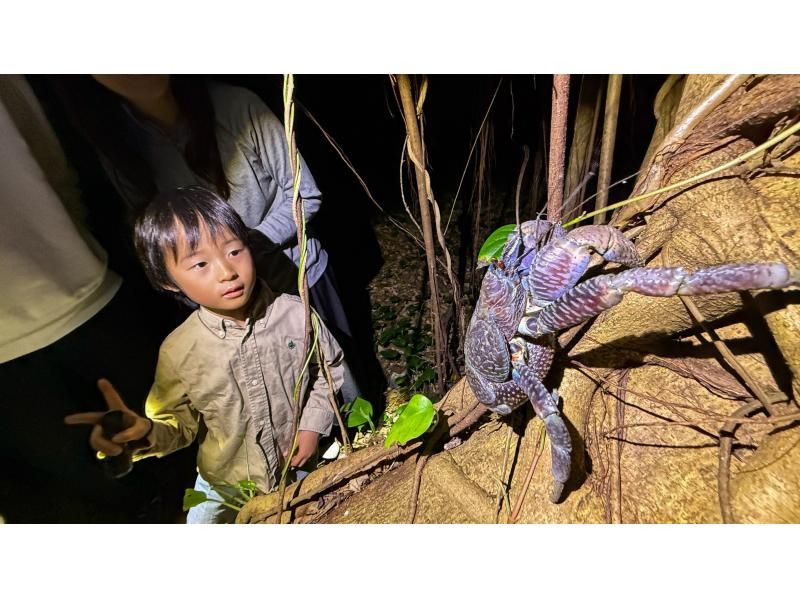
x: 155, y: 231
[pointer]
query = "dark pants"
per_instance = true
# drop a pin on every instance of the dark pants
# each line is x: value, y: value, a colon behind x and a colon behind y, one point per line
x: 50, y: 473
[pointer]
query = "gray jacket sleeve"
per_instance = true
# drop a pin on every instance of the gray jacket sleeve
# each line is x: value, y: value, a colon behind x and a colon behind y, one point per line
x: 271, y: 146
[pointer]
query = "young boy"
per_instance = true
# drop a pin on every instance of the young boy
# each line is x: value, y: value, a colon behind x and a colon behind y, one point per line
x: 227, y: 374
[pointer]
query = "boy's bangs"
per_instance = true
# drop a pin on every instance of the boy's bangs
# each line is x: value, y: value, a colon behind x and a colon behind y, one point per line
x: 216, y: 216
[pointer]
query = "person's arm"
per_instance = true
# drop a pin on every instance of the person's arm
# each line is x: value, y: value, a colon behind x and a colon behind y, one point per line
x: 271, y: 146
x: 317, y: 417
x: 170, y: 424
x: 175, y: 421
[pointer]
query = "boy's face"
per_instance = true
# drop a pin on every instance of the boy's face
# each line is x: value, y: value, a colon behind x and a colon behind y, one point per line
x: 218, y: 274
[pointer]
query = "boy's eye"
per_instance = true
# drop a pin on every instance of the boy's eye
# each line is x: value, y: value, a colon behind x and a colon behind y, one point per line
x: 199, y: 265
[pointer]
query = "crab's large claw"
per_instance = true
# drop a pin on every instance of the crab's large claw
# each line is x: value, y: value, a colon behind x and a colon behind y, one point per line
x: 546, y: 408
x: 563, y: 261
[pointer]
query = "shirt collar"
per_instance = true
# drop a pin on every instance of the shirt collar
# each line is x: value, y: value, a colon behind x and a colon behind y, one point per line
x: 224, y: 327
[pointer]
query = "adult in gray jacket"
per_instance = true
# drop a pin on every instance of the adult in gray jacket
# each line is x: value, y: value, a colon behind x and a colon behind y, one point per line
x: 154, y: 133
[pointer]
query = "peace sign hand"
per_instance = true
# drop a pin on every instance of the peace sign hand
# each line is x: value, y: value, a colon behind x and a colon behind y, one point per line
x: 138, y: 427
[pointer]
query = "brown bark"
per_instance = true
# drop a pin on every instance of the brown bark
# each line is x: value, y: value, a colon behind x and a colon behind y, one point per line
x: 558, y: 147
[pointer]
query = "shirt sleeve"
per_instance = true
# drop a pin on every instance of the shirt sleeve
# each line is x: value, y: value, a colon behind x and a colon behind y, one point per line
x: 271, y: 146
x: 175, y: 421
x: 318, y: 413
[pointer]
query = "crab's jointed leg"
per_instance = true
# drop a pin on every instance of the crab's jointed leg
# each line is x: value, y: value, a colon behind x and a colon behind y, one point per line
x: 564, y: 261
x: 546, y: 407
x: 602, y: 292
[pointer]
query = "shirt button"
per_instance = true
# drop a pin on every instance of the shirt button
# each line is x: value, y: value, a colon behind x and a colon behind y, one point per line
x: 221, y: 334
x: 253, y: 382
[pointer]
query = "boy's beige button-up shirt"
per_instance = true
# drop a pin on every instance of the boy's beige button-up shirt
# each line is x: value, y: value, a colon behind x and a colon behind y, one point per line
x: 232, y: 386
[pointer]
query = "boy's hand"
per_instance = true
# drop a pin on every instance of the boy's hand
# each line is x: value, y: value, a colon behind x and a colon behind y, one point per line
x: 306, y: 447
x: 140, y: 428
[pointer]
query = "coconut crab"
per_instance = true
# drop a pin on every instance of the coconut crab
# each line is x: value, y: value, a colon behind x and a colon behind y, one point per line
x: 530, y: 293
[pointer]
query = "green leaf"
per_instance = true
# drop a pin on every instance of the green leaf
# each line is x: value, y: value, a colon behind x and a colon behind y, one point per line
x: 413, y: 422
x: 492, y: 248
x: 427, y: 375
x: 360, y: 414
x: 247, y: 485
x: 414, y: 362
x: 400, y: 341
x: 388, y: 334
x: 386, y: 313
x: 390, y: 354
x: 192, y: 498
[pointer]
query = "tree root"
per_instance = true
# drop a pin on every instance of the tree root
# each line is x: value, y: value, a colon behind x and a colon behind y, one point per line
x: 457, y: 424
x: 726, y: 436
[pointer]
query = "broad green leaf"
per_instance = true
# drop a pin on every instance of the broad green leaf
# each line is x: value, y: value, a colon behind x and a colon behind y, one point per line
x: 390, y: 354
x: 400, y: 341
x: 492, y: 248
x: 192, y: 498
x: 360, y: 413
x: 413, y: 422
x: 427, y: 375
x: 414, y: 362
x: 388, y: 334
x: 387, y: 313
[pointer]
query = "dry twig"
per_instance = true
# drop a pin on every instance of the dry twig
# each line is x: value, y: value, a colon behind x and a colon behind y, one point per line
x: 727, y: 355
x: 504, y: 484
x: 539, y: 450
